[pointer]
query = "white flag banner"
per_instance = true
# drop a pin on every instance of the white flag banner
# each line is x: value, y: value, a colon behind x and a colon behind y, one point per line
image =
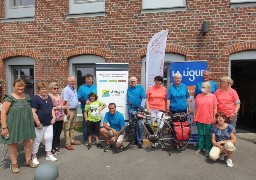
x: 155, y: 57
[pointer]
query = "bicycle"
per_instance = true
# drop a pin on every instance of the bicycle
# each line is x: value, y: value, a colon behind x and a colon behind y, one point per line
x: 176, y: 138
x: 165, y: 134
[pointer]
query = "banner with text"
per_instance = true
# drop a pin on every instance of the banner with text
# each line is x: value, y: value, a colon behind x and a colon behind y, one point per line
x: 192, y: 73
x: 155, y: 57
x: 112, y: 85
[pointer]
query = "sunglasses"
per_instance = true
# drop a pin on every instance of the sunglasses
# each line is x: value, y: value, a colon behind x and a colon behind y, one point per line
x: 56, y: 88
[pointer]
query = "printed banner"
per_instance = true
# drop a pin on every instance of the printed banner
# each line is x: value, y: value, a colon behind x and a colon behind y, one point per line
x: 155, y: 57
x: 192, y: 73
x: 112, y: 88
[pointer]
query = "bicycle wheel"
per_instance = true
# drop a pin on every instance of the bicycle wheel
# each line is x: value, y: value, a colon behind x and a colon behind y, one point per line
x: 127, y: 135
x: 167, y: 136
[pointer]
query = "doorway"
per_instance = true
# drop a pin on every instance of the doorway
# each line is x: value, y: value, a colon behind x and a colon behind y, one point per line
x: 243, y: 72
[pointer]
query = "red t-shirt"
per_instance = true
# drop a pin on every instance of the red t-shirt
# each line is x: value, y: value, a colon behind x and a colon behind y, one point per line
x: 204, y: 108
x: 226, y: 101
x: 157, y: 97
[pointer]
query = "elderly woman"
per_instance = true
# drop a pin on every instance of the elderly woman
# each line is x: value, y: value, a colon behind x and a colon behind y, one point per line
x: 207, y: 75
x: 228, y: 99
x: 44, y: 118
x: 204, y: 115
x: 223, y: 139
x: 156, y: 100
x: 58, y: 106
x: 178, y: 96
x: 17, y: 124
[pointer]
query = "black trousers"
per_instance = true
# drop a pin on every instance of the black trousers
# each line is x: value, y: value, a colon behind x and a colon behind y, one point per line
x: 57, y: 128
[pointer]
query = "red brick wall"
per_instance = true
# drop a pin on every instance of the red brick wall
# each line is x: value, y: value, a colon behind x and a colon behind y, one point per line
x: 123, y: 33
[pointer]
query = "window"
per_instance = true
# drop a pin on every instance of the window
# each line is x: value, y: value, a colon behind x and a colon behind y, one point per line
x: 169, y: 57
x: 17, y: 3
x: 19, y: 8
x: 86, y: 7
x: 82, y: 65
x: 242, y: 3
x: 22, y: 68
x: 162, y: 4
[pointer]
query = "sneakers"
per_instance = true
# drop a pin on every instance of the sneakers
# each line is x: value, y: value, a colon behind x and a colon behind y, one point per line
x: 58, y: 150
x: 54, y: 152
x: 139, y: 145
x: 222, y: 157
x: 98, y: 145
x: 229, y: 163
x: 206, y: 154
x: 50, y: 157
x: 198, y: 151
x: 35, y: 161
x: 106, y: 148
x: 89, y: 146
x: 154, y: 145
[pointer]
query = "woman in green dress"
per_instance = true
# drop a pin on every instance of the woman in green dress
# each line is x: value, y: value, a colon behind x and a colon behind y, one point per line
x: 17, y: 124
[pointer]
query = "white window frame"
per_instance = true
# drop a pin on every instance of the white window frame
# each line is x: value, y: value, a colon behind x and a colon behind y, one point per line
x: 169, y: 57
x: 77, y: 7
x: 18, y: 11
x: 162, y: 4
x: 243, y: 1
x: 16, y: 61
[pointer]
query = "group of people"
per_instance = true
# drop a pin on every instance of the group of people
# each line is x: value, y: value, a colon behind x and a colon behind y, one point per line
x: 42, y: 117
x: 215, y: 111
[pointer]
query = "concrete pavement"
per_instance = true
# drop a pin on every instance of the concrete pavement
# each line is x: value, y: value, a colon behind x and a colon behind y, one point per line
x: 146, y: 163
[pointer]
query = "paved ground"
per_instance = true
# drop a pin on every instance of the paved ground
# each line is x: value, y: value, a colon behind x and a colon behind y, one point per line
x: 146, y: 163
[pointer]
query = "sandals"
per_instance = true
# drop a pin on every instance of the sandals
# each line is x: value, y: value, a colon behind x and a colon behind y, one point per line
x: 14, y: 168
x: 30, y: 164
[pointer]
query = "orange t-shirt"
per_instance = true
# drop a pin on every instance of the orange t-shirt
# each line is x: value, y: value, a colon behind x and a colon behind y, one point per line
x: 226, y: 101
x: 204, y: 108
x: 157, y: 97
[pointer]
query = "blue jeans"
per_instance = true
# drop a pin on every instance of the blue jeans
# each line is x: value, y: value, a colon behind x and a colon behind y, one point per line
x: 139, y: 132
x: 84, y: 129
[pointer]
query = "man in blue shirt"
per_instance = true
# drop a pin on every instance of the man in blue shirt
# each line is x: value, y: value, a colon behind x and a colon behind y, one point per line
x: 69, y: 95
x: 207, y: 75
x: 178, y: 96
x: 83, y: 97
x: 116, y: 122
x: 137, y: 97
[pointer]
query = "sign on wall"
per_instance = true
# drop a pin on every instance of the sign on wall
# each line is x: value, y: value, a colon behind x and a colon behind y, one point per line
x: 112, y: 85
x: 192, y: 73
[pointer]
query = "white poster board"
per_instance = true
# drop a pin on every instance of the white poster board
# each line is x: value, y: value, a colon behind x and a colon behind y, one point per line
x: 112, y: 85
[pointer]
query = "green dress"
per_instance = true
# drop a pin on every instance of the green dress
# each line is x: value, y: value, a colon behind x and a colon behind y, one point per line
x: 20, y: 121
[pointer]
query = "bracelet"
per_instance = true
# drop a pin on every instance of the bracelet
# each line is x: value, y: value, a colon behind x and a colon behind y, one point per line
x: 39, y: 124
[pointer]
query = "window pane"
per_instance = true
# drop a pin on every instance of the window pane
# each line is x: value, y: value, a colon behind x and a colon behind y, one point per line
x: 27, y: 75
x: 23, y: 2
x: 88, y: 1
x: 81, y: 73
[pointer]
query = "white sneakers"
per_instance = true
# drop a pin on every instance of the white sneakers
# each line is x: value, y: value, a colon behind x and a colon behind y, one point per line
x: 51, y: 158
x: 229, y: 163
x: 48, y: 158
x: 35, y: 161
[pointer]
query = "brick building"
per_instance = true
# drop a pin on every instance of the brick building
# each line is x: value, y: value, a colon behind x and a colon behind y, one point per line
x: 48, y: 40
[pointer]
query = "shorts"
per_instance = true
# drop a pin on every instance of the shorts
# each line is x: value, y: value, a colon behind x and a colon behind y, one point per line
x: 93, y: 128
x: 215, y: 151
x: 119, y: 139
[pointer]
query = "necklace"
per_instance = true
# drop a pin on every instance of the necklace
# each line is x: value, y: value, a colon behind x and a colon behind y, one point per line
x: 43, y: 98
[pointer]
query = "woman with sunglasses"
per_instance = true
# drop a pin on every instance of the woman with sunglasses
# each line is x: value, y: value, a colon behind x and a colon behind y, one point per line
x: 59, y: 113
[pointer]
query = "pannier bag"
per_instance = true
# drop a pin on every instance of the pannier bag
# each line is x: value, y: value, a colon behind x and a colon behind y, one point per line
x: 182, y: 130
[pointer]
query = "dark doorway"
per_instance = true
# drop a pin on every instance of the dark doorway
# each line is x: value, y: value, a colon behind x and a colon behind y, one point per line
x: 244, y: 75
